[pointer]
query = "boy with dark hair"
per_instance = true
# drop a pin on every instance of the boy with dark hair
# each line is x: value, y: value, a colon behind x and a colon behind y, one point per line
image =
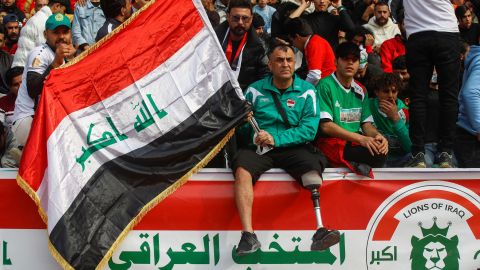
x: 116, y: 12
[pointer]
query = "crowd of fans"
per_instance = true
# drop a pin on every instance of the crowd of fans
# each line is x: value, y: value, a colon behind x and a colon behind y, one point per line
x: 415, y: 85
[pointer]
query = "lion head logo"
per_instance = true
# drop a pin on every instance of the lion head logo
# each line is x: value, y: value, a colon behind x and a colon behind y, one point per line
x: 435, y: 251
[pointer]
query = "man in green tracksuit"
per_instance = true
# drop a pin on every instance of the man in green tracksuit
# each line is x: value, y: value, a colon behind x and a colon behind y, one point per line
x: 287, y: 125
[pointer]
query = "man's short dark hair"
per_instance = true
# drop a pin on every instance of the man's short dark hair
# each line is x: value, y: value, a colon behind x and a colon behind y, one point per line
x: 280, y: 46
x: 61, y: 2
x: 379, y: 4
x: 399, y: 63
x: 358, y: 31
x: 347, y: 49
x: 460, y: 12
x: 239, y: 4
x: 298, y: 26
x: 112, y: 8
x: 12, y: 73
x: 257, y: 21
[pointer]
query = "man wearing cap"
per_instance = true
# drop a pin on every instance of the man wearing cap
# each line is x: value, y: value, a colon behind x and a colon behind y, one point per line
x: 344, y: 111
x: 32, y: 33
x: 40, y: 62
x: 12, y: 30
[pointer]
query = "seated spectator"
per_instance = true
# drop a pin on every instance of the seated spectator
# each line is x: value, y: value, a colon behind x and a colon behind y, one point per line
x: 10, y: 6
x: 266, y: 12
x: 365, y: 40
x: 317, y: 51
x: 40, y: 62
x: 381, y: 25
x: 10, y: 152
x: 393, y: 47
x: 399, y: 67
x: 286, y: 109
x: 279, y: 18
x: 324, y: 23
x: 87, y: 20
x: 391, y: 118
x: 32, y: 34
x: 467, y: 143
x: 7, y: 103
x: 116, y: 12
x: 12, y: 30
x: 365, y: 71
x: 258, y: 24
x: 344, y: 111
x: 469, y: 31
x: 5, y: 62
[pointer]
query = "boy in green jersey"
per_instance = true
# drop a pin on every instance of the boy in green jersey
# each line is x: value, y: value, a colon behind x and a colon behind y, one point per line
x: 348, y: 137
x: 391, y: 118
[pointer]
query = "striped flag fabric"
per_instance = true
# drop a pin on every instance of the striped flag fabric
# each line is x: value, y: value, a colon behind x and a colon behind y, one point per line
x: 122, y: 126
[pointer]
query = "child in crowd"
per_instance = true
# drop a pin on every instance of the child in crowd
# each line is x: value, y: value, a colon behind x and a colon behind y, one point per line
x: 391, y: 118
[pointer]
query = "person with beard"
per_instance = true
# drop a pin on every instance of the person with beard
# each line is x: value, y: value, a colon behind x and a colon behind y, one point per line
x: 116, y: 12
x: 381, y: 25
x: 11, y: 8
x: 12, y: 30
x: 324, y: 23
x: 469, y: 31
x: 344, y: 111
x: 41, y: 60
x: 242, y: 47
x: 393, y: 47
x: 32, y: 35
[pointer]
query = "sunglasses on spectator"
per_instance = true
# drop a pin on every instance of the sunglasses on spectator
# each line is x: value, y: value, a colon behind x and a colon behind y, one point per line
x: 237, y: 18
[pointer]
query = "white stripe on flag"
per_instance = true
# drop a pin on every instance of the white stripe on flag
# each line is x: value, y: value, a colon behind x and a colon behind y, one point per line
x: 185, y: 81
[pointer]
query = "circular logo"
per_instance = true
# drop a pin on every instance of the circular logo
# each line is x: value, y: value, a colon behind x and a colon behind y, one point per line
x: 431, y: 225
x: 59, y: 17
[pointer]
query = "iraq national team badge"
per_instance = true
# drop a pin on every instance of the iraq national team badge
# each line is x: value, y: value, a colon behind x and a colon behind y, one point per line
x: 290, y: 103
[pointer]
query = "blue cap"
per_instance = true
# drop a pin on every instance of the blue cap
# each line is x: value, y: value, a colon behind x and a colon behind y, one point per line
x: 10, y: 18
x: 56, y: 20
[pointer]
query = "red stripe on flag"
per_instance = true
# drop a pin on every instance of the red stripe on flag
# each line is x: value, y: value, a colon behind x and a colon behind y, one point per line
x: 143, y: 45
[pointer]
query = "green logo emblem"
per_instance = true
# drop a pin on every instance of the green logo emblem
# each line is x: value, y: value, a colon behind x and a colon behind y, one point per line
x: 435, y: 251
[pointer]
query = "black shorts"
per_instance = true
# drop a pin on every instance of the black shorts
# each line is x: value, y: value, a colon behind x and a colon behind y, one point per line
x: 295, y: 160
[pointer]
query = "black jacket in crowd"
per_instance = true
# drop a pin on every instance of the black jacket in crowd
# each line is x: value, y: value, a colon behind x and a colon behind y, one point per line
x: 254, y: 59
x: 327, y: 25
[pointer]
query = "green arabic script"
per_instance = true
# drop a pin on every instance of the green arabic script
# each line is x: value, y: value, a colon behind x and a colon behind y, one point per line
x: 5, y: 259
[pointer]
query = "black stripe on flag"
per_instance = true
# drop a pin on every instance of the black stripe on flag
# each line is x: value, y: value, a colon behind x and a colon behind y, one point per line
x: 120, y: 188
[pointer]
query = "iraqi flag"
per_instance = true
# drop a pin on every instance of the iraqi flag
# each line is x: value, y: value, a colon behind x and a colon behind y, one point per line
x: 121, y: 127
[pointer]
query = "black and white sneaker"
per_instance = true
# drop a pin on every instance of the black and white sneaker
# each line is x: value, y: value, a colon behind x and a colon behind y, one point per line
x: 445, y: 160
x: 417, y: 161
x: 324, y: 238
x: 248, y: 244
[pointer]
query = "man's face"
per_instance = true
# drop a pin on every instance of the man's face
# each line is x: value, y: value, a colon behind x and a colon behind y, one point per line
x: 16, y: 81
x: 382, y: 13
x: 8, y: 3
x: 262, y: 3
x: 403, y: 73
x: 58, y: 8
x: 61, y: 35
x: 39, y: 4
x: 390, y: 94
x: 127, y: 10
x: 239, y: 20
x: 321, y: 5
x: 259, y: 31
x: 2, y: 39
x: 347, y: 66
x: 282, y: 63
x: 358, y: 40
x: 13, y: 30
x: 466, y: 20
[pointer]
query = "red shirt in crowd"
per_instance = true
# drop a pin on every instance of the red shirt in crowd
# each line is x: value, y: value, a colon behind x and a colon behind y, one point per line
x: 390, y: 50
x: 7, y: 104
x: 320, y: 56
x: 10, y: 51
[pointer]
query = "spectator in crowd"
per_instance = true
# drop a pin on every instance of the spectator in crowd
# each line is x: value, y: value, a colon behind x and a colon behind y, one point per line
x: 11, y: 8
x: 116, y: 12
x: 396, y: 7
x: 212, y: 14
x: 221, y: 6
x: 394, y: 47
x: 382, y: 25
x: 287, y: 125
x: 467, y: 143
x: 365, y: 71
x: 12, y: 30
x: 280, y: 17
x: 3, y: 13
x: 242, y: 47
x: 40, y: 62
x: 266, y: 12
x: 9, y: 150
x: 391, y: 118
x: 7, y: 103
x: 365, y: 40
x: 399, y: 67
x: 469, y: 31
x: 258, y: 23
x: 87, y: 20
x: 324, y: 23
x: 317, y: 51
x: 5, y: 62
x: 344, y: 111
x: 39, y: 4
x: 433, y: 41
x: 363, y: 11
x: 32, y: 34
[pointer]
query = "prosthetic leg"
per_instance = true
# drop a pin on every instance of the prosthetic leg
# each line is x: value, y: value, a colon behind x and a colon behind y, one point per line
x: 323, y: 237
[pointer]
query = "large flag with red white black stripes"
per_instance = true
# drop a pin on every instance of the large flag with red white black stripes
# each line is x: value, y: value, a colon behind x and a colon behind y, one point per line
x: 121, y: 127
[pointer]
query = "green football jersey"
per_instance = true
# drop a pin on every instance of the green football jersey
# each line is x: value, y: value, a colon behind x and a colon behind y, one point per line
x: 348, y: 108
